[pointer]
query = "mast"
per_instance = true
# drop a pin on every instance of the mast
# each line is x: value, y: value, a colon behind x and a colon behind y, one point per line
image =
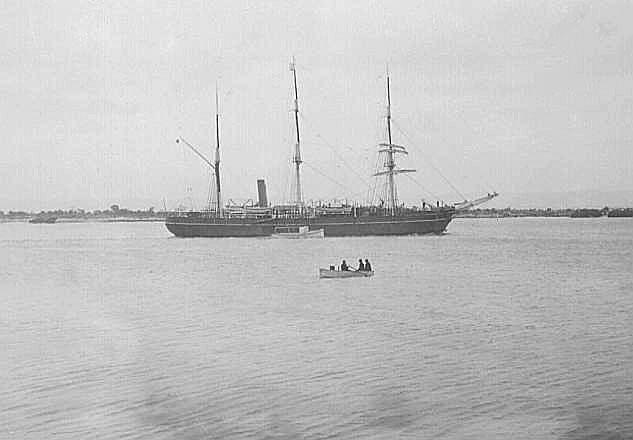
x: 391, y: 149
x: 297, y: 155
x: 390, y: 162
x: 217, y: 155
x: 214, y: 166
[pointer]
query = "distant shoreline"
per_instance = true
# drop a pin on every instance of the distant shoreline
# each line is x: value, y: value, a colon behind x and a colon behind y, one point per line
x: 113, y: 214
x: 467, y: 216
x: 122, y: 215
x: 568, y: 213
x: 89, y: 220
x: 501, y: 217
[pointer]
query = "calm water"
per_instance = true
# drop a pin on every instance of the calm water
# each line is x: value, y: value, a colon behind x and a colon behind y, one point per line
x: 514, y: 328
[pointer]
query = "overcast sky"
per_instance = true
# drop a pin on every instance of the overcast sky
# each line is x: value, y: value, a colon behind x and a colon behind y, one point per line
x: 528, y: 98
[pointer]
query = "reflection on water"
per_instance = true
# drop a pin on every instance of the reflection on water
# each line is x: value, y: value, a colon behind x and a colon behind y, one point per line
x: 514, y: 328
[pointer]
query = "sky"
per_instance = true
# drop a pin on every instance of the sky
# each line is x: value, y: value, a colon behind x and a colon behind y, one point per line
x: 533, y: 99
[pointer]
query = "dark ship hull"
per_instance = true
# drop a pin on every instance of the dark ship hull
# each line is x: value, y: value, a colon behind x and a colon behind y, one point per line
x: 43, y: 220
x: 383, y: 225
x: 201, y: 225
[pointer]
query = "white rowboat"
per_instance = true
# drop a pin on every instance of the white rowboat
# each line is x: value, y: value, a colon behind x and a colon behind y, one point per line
x: 327, y: 273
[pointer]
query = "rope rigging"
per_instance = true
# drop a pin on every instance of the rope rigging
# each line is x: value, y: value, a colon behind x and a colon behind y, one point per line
x: 335, y: 150
x: 342, y: 186
x: 426, y: 191
x: 371, y: 186
x: 428, y: 160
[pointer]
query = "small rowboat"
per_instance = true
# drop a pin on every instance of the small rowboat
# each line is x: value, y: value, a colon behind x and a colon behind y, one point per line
x: 327, y: 273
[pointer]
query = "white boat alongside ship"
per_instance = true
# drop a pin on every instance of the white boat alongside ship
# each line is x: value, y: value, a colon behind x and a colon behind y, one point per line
x: 296, y: 232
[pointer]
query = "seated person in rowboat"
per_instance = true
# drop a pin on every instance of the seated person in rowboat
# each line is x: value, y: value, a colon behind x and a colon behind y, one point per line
x: 344, y: 266
x: 367, y: 265
x: 361, y: 266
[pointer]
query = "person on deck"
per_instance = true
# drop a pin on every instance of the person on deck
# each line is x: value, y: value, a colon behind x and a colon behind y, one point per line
x: 344, y: 266
x: 361, y: 266
x: 367, y: 265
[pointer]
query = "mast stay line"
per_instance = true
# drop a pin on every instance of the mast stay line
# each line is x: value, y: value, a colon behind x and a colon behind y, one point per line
x: 208, y: 162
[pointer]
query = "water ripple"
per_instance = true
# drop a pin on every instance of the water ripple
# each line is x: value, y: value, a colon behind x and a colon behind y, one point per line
x: 502, y: 329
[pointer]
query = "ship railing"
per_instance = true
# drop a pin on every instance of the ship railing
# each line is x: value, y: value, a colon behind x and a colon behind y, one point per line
x: 333, y: 210
x: 180, y: 212
x: 252, y: 212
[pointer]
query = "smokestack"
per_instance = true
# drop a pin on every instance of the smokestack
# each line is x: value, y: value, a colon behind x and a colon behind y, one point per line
x: 261, y: 193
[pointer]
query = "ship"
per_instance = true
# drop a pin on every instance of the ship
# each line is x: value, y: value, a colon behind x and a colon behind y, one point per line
x: 43, y: 219
x: 389, y: 217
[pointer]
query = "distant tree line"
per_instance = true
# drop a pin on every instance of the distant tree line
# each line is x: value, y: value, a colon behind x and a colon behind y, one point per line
x: 547, y: 212
x: 114, y: 212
